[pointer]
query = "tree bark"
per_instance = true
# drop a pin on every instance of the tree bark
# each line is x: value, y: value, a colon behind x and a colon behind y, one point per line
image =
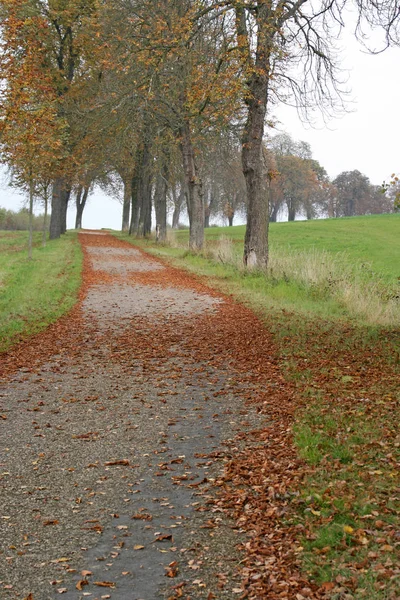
x: 144, y: 193
x: 160, y: 204
x: 291, y: 213
x: 194, y: 188
x: 256, y: 237
x: 178, y: 202
x: 80, y: 204
x: 64, y: 207
x: 126, y: 208
x: 209, y: 207
x: 46, y: 208
x: 230, y: 220
x: 133, y: 228
x: 59, y: 203
x: 30, y: 242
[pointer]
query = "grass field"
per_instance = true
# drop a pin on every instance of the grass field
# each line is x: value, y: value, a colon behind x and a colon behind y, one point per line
x: 372, y: 240
x: 35, y: 293
x: 331, y: 302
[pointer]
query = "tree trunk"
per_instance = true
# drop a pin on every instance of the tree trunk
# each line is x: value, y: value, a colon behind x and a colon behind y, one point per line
x: 195, y: 190
x: 178, y: 202
x: 291, y: 211
x: 207, y: 209
x: 80, y: 204
x: 273, y: 216
x: 59, y: 203
x: 64, y: 207
x: 78, y: 221
x: 230, y: 220
x: 206, y: 217
x: 46, y: 208
x: 144, y: 193
x: 55, y: 218
x: 147, y: 213
x: 256, y: 238
x: 30, y: 242
x: 133, y: 229
x: 160, y: 204
x: 126, y: 208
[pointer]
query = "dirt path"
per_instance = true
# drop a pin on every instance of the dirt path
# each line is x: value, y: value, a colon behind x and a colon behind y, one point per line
x: 145, y: 445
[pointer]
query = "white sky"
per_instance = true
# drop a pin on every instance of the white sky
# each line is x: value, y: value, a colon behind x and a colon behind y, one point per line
x: 367, y: 138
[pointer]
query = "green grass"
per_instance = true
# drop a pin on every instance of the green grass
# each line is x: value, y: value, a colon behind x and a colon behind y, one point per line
x: 373, y: 241
x: 35, y: 293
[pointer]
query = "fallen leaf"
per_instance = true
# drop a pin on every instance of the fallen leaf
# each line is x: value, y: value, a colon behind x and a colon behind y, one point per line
x: 138, y: 547
x: 348, y: 529
x: 161, y: 538
x: 172, y: 569
x: 61, y: 560
x: 112, y: 463
x: 327, y: 586
x: 108, y: 584
x: 51, y: 522
x: 81, y: 584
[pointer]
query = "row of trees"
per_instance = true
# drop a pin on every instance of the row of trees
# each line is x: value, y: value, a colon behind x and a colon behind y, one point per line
x: 157, y: 96
x: 298, y: 186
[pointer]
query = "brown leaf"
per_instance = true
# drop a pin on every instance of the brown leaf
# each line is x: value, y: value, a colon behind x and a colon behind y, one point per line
x: 161, y: 538
x: 112, y: 463
x: 29, y: 597
x: 172, y: 569
x: 51, y: 522
x: 81, y: 584
x: 107, y: 584
x: 86, y: 573
x: 327, y: 586
x: 142, y: 517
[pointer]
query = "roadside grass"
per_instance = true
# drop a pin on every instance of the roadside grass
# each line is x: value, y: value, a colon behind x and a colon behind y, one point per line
x: 345, y: 367
x: 35, y: 293
x: 372, y: 240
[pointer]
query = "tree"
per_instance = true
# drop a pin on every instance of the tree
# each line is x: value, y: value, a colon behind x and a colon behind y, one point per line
x: 392, y: 191
x: 68, y: 35
x: 31, y: 134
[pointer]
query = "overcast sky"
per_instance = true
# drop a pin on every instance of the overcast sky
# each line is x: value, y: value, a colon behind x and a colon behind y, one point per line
x: 367, y: 138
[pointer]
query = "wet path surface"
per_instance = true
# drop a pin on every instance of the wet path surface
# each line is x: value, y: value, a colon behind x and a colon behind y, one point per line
x: 114, y: 443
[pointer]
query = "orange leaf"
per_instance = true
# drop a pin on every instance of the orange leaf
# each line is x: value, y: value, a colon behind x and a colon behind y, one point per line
x: 81, y: 584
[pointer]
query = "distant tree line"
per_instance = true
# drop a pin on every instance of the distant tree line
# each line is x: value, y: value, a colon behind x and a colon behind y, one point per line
x: 298, y: 186
x: 19, y: 220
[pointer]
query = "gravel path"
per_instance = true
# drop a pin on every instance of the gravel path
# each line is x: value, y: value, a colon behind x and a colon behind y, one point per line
x: 114, y: 440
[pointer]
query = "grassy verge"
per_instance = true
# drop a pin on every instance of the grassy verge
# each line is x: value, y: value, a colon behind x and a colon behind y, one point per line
x: 345, y: 366
x: 35, y: 293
